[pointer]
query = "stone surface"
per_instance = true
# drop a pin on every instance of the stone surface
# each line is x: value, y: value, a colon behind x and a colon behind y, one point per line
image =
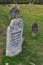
x: 34, y: 29
x: 6, y: 64
x: 32, y: 63
x: 14, y: 12
x: 14, y: 37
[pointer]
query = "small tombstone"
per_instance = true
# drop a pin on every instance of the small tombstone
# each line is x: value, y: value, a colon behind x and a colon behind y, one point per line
x: 6, y: 63
x: 30, y: 4
x: 14, y: 12
x: 14, y: 37
x: 31, y: 63
x: 34, y: 29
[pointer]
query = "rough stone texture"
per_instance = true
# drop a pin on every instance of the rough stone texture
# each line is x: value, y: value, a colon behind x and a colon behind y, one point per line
x: 14, y: 13
x: 14, y: 37
x: 6, y: 64
x: 32, y: 63
x: 34, y: 29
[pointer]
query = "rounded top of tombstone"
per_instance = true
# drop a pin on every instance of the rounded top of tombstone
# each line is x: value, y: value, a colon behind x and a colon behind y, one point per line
x: 16, y: 20
x: 35, y: 25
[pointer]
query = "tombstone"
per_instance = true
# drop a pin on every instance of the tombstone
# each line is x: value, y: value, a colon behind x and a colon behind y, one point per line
x: 6, y: 63
x: 34, y: 29
x: 14, y: 12
x: 14, y: 37
x: 32, y: 63
x: 29, y: 4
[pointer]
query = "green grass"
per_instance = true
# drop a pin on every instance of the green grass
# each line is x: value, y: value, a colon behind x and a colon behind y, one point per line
x: 33, y: 46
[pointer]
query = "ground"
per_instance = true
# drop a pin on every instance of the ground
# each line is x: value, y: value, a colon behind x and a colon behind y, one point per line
x: 32, y: 46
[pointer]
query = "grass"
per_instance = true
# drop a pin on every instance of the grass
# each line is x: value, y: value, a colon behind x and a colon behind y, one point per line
x: 33, y: 46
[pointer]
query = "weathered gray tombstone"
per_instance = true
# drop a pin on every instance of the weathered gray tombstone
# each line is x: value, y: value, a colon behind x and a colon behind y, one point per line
x: 34, y: 29
x: 14, y: 12
x: 14, y: 37
x: 30, y: 4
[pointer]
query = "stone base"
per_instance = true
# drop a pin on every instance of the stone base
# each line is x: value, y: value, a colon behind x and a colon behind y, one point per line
x: 16, y: 52
x: 14, y: 37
